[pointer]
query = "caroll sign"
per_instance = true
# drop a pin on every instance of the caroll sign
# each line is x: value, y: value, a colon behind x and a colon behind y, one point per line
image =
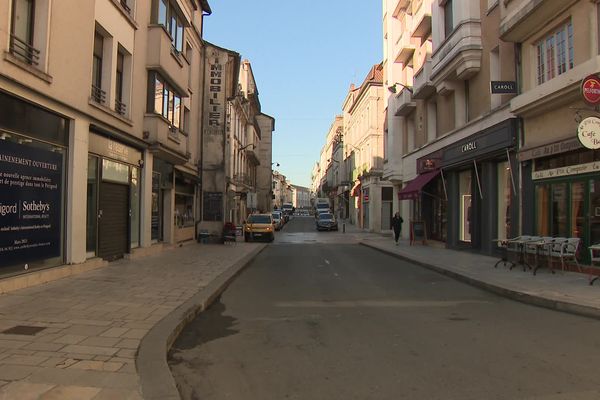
x: 589, y: 132
x: 590, y: 89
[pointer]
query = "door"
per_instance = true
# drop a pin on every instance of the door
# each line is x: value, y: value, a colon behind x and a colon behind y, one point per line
x: 113, y: 221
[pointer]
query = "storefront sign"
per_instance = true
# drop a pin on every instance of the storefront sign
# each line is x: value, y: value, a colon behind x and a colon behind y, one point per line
x: 590, y: 89
x: 30, y: 203
x: 550, y: 149
x: 588, y: 132
x: 496, y: 138
x: 566, y: 171
x: 110, y: 148
x: 503, y: 87
x: 469, y: 146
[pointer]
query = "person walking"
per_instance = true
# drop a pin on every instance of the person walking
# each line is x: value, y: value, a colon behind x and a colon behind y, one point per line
x: 397, y: 226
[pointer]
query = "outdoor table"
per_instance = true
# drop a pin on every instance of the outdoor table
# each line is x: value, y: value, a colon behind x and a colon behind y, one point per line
x: 521, y: 245
x: 503, y: 244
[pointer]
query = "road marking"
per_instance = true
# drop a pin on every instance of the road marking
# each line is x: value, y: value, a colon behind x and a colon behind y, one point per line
x: 327, y: 261
x: 378, y: 303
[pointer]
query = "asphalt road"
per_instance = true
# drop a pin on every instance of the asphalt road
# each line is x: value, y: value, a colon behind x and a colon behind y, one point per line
x: 316, y: 316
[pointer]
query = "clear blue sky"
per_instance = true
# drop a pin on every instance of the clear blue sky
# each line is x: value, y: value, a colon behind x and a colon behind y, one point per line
x: 304, y: 55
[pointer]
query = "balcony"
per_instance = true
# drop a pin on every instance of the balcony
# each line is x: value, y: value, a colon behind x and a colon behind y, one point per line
x: 163, y: 57
x: 422, y: 20
x: 524, y: 17
x: 402, y: 5
x: 24, y: 51
x: 459, y: 56
x: 405, y: 103
x: 243, y: 180
x: 422, y: 85
x: 405, y: 48
x: 165, y: 140
x: 98, y: 95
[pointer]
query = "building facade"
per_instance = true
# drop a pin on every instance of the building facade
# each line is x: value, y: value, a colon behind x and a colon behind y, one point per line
x: 127, y: 122
x: 451, y: 143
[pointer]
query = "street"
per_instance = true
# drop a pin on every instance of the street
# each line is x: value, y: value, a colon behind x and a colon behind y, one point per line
x: 316, y: 316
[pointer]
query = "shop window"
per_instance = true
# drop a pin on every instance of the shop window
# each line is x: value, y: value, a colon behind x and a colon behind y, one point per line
x: 577, y: 204
x: 555, y: 53
x: 135, y: 207
x: 559, y: 210
x: 542, y: 195
x: 184, y: 210
x: 504, y: 200
x: 92, y: 207
x: 115, y: 172
x: 465, y: 205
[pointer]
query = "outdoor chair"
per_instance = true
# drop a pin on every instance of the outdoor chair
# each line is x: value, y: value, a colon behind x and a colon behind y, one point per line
x: 564, y: 249
x: 594, y: 260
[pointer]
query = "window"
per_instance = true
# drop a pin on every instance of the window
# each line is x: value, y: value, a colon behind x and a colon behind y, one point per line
x: 21, y: 38
x: 98, y: 95
x: 165, y: 101
x: 448, y: 18
x: 119, y: 105
x: 170, y: 19
x: 555, y: 53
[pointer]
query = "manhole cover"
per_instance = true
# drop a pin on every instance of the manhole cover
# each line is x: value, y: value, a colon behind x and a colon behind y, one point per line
x: 23, y: 330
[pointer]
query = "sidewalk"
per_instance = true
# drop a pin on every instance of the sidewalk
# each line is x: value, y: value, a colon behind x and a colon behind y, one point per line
x: 105, y: 333
x: 563, y: 291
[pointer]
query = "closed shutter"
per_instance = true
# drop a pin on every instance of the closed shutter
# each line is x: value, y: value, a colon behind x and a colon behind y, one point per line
x: 113, y: 225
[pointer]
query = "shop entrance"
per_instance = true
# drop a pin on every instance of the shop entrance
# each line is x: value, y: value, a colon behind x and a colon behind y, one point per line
x: 113, y: 220
x: 569, y: 208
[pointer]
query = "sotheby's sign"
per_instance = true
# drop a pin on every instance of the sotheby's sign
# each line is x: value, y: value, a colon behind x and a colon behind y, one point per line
x: 30, y: 203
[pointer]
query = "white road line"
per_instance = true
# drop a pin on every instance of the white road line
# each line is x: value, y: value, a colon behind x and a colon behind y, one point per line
x: 327, y: 262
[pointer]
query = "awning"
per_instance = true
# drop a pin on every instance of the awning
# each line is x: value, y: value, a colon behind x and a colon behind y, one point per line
x: 355, y: 191
x: 413, y: 189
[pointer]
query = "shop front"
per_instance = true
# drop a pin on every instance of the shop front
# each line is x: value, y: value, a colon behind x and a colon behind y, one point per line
x: 185, y: 193
x: 33, y: 162
x: 479, y: 179
x: 113, y: 198
x: 563, y: 182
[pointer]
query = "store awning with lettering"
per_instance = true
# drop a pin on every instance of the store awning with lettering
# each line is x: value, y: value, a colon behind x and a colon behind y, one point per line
x: 414, y: 187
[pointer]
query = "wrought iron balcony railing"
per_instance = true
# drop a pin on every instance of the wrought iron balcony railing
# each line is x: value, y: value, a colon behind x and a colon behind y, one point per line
x: 120, y: 107
x: 98, y: 95
x: 24, y: 50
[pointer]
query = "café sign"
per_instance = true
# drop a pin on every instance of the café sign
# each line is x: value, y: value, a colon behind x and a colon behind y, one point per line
x: 588, y: 132
x: 590, y: 89
x: 566, y: 171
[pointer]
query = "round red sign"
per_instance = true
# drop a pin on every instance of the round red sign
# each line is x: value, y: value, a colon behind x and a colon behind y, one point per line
x: 590, y: 89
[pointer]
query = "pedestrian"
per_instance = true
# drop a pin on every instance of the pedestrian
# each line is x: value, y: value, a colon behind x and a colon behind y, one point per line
x: 397, y: 226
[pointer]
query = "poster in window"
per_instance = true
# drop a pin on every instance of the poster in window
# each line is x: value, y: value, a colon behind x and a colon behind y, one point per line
x: 30, y: 203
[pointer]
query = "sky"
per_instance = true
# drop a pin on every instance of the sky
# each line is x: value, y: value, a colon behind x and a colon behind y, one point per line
x: 304, y: 55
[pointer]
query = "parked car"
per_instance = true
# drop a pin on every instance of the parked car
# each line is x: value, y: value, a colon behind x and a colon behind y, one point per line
x: 259, y: 226
x: 326, y: 222
x: 277, y: 220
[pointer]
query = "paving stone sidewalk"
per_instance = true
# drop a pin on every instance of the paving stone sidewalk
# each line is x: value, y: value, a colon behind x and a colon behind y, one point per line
x: 93, y: 322
x: 563, y: 291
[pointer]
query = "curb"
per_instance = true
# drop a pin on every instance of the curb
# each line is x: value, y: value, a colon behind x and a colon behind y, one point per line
x: 556, y: 305
x: 156, y: 380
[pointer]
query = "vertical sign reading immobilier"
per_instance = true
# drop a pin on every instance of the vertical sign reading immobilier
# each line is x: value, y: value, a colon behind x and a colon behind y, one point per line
x: 213, y: 146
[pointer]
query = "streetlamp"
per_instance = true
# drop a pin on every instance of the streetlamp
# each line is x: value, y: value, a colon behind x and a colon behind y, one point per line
x: 392, y: 88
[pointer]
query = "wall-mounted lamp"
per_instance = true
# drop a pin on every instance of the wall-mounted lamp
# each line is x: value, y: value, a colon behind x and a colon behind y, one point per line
x: 393, y: 89
x: 275, y: 163
x: 248, y: 145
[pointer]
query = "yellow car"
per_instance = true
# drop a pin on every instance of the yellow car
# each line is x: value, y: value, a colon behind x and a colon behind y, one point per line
x: 259, y: 226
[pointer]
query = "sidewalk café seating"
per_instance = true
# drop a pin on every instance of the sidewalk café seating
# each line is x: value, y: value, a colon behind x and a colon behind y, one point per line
x: 594, y: 258
x: 229, y: 233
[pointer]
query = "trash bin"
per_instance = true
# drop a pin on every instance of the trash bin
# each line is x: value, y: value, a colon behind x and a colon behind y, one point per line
x: 203, y: 236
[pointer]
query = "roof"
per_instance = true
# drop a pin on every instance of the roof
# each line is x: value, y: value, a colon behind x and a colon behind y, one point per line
x: 205, y: 6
